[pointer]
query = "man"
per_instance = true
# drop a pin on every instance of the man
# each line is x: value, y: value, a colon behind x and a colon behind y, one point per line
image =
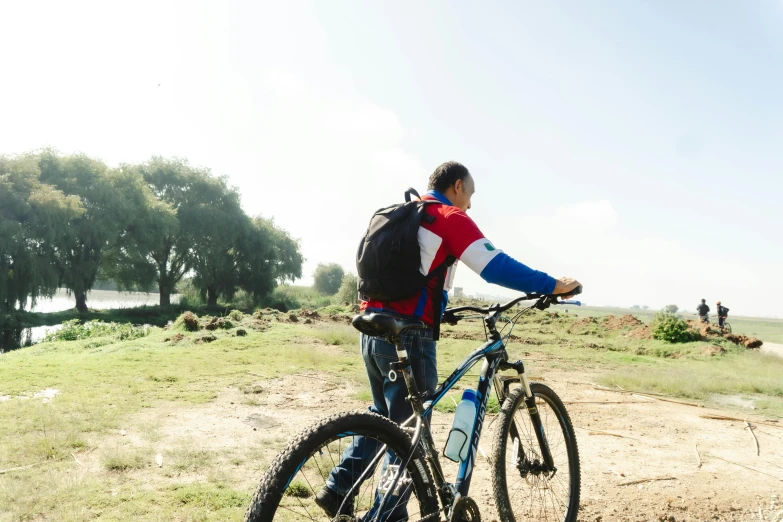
x: 723, y: 312
x: 449, y: 232
x: 703, y: 310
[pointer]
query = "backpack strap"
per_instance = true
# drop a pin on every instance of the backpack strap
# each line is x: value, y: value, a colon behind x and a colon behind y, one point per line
x: 410, y: 191
x: 437, y: 299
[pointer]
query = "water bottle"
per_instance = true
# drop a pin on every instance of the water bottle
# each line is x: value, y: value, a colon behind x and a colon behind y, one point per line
x: 457, y: 445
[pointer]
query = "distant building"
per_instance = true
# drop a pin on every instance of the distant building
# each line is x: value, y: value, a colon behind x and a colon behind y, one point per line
x: 459, y: 291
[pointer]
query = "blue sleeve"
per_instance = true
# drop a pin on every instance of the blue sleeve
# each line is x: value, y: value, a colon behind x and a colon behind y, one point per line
x: 506, y: 271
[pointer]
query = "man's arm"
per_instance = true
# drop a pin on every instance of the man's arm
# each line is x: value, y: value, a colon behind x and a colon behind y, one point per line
x: 468, y: 243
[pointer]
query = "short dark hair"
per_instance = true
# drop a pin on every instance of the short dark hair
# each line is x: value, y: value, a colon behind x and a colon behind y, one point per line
x: 446, y: 175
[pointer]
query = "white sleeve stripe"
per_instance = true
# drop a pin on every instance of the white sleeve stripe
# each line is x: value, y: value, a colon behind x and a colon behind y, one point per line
x: 478, y: 254
x: 429, y: 243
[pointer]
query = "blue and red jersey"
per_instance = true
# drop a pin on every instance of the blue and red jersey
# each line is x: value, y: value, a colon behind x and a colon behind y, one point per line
x: 453, y: 233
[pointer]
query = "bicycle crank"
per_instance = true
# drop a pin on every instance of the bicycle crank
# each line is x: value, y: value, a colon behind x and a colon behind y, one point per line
x: 465, y: 510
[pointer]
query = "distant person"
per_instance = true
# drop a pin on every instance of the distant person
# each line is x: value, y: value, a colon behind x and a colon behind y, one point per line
x: 704, y: 311
x: 723, y: 312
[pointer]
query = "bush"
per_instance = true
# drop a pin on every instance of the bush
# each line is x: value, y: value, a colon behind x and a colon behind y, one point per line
x: 668, y: 327
x: 348, y: 292
x: 189, y: 295
x: 73, y: 330
x: 327, y: 278
x: 236, y: 315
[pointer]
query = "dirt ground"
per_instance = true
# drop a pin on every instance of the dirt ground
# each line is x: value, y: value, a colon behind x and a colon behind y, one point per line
x: 706, y: 469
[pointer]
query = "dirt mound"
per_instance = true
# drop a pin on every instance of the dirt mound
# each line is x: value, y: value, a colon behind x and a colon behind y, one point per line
x: 214, y: 323
x: 189, y: 321
x: 584, y: 321
x: 177, y: 337
x: 752, y: 342
x: 642, y: 332
x: 747, y: 342
x: 612, y: 322
x: 713, y: 350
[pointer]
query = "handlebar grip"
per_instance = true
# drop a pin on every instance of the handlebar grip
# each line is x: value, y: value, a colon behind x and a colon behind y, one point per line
x: 576, y: 303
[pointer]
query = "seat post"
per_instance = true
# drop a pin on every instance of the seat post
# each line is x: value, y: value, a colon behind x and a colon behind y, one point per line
x: 403, y: 365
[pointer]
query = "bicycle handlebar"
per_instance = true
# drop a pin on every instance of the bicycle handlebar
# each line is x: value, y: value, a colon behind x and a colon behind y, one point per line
x: 544, y: 301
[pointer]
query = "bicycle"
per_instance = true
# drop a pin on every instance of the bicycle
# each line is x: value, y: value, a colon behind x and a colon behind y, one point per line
x: 404, y: 479
x: 726, y: 328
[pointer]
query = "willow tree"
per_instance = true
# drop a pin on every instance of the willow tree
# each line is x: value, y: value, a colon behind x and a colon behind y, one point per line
x: 109, y: 200
x: 33, y: 219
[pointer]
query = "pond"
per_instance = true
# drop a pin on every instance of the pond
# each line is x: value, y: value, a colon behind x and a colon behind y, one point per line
x: 11, y: 339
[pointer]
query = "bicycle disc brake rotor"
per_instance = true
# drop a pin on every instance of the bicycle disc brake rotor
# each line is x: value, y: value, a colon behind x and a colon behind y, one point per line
x: 466, y: 510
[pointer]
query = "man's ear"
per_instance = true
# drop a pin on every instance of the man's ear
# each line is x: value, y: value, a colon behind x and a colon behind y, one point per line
x: 459, y: 186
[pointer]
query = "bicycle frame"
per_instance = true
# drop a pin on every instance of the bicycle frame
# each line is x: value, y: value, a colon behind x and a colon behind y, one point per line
x: 494, y: 355
x: 495, y: 358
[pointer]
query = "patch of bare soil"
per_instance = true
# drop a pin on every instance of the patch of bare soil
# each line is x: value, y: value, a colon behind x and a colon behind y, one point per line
x: 611, y: 322
x: 642, y: 459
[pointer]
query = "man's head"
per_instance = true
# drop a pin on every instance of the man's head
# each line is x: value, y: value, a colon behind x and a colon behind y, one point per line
x: 704, y: 301
x: 454, y: 181
x: 718, y: 303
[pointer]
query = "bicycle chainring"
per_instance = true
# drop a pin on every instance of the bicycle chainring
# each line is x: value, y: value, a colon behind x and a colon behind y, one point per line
x: 466, y: 510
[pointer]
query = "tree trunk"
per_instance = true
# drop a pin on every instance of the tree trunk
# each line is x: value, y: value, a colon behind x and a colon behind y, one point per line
x: 81, y: 301
x: 211, y: 297
x: 164, y: 288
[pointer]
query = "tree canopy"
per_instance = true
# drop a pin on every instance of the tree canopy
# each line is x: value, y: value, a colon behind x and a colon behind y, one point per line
x: 68, y: 220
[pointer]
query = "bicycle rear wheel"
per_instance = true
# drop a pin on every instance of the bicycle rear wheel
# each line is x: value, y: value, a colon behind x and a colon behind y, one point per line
x: 288, y: 489
x: 726, y: 327
x: 523, y: 492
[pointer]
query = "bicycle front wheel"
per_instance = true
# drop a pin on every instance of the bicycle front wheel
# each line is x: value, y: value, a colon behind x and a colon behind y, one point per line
x: 523, y: 490
x: 290, y: 489
x: 726, y: 327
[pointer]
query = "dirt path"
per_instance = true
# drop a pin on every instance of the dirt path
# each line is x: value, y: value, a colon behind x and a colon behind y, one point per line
x: 636, y: 440
x: 776, y: 349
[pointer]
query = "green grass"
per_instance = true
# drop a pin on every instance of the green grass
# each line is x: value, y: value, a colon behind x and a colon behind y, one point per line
x: 338, y: 335
x: 104, y: 382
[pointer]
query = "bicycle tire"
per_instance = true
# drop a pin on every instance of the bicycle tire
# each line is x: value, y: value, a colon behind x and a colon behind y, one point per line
x: 559, y: 434
x: 727, y: 327
x: 292, y: 459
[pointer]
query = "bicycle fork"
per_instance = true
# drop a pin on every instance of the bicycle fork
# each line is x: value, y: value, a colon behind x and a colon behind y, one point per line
x: 532, y: 410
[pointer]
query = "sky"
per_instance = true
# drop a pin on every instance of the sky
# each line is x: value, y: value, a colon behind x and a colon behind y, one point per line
x: 635, y: 146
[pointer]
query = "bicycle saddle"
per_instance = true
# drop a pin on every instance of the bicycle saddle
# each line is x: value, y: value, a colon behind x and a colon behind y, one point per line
x: 380, y: 324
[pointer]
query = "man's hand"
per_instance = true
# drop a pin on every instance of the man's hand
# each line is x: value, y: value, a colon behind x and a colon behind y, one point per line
x: 566, y: 285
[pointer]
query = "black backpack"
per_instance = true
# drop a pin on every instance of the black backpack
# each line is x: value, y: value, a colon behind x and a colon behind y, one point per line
x: 389, y: 257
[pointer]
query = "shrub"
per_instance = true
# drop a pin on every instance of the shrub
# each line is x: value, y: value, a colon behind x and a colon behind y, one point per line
x: 668, y: 327
x: 236, y: 315
x: 74, y: 330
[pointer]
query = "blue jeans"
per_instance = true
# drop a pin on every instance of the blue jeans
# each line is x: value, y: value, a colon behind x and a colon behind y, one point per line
x: 388, y: 400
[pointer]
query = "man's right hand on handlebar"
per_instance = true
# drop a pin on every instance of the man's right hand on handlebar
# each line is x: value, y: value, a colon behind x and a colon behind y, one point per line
x: 565, y: 287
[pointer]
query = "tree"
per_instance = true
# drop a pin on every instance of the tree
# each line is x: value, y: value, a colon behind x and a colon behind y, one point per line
x: 645, y: 307
x: 161, y: 247
x: 636, y: 307
x: 33, y: 216
x: 327, y: 278
x: 215, y: 224
x: 268, y: 256
x: 672, y: 309
x: 108, y: 212
x: 349, y: 289
x: 131, y: 263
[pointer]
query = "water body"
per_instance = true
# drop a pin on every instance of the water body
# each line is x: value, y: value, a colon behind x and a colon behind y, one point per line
x: 11, y: 339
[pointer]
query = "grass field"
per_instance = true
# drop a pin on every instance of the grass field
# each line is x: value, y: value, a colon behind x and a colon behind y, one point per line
x: 103, y: 382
